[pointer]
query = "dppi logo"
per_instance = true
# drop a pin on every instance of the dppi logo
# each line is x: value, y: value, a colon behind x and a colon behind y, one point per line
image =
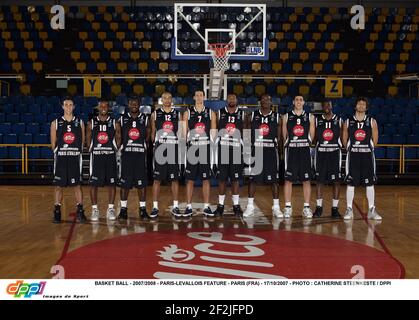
x: 298, y: 130
x: 264, y: 129
x: 27, y: 290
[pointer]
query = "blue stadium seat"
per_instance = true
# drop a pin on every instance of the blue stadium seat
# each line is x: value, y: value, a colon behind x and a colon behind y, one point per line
x: 13, y: 117
x: 1, y: 138
x: 5, y: 128
x: 8, y: 108
x: 25, y: 138
x: 394, y: 119
x: 45, y: 128
x: 21, y: 108
x: 399, y: 139
x: 3, y: 152
x: 393, y: 153
x: 382, y: 118
x: 403, y: 129
x: 10, y: 138
x: 40, y: 118
x: 46, y: 153
x: 14, y: 152
x: 389, y: 129
x: 34, y: 153
x: 411, y: 153
x: 384, y: 139
x: 47, y: 108
x: 41, y: 138
x: 412, y: 139
x: 32, y: 128
x: 19, y: 128
x: 26, y: 117
x: 380, y: 152
x: 2, y: 118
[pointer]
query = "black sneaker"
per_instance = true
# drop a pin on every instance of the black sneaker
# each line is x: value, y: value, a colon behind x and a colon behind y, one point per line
x: 335, y: 212
x: 237, y: 210
x: 154, y: 213
x: 57, y: 214
x: 318, y: 212
x: 176, y: 212
x: 142, y: 211
x: 81, y: 218
x: 208, y: 212
x: 220, y: 210
x: 123, y: 214
x: 188, y: 212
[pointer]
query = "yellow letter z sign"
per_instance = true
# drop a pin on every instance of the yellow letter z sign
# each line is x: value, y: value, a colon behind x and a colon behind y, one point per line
x: 92, y: 87
x: 334, y: 88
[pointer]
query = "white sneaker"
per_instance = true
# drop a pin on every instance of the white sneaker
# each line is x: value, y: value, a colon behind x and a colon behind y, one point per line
x: 288, y: 212
x: 277, y: 213
x: 307, y: 213
x: 349, y: 214
x: 373, y: 214
x: 110, y: 214
x: 95, y: 215
x: 250, y: 211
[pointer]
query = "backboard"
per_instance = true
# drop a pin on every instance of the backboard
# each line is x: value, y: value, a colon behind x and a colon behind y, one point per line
x: 196, y: 25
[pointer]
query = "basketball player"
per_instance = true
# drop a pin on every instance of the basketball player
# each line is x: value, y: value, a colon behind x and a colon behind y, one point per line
x: 135, y: 133
x: 298, y: 130
x: 104, y: 139
x: 229, y: 153
x: 164, y: 134
x: 67, y: 140
x: 328, y: 156
x: 360, y: 135
x: 265, y: 128
x: 201, y: 123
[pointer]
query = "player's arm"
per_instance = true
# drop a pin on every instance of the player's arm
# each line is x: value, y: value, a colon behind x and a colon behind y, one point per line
x: 184, y: 124
x: 279, y: 129
x: 53, y: 134
x: 153, y: 126
x: 284, y: 127
x: 213, y: 131
x: 345, y: 134
x: 118, y: 134
x: 89, y: 133
x: 374, y: 132
x: 314, y: 139
x: 312, y: 128
x: 83, y: 134
x: 147, y: 130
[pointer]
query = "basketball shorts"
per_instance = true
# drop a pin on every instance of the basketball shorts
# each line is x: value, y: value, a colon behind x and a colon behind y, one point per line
x: 360, y: 169
x: 67, y: 171
x: 133, y: 170
x: 297, y: 164
x: 269, y: 172
x: 103, y: 170
x: 328, y: 166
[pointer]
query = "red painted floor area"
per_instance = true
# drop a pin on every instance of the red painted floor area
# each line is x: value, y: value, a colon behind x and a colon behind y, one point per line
x: 229, y: 253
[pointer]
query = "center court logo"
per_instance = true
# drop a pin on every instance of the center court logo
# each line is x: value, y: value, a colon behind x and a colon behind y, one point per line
x: 21, y: 289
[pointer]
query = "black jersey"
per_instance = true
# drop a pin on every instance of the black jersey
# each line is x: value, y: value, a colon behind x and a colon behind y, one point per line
x: 298, y: 127
x: 167, y: 125
x: 69, y: 137
x: 230, y: 127
x: 264, y: 129
x: 199, y: 125
x: 328, y: 133
x: 103, y: 136
x: 360, y: 134
x: 133, y: 132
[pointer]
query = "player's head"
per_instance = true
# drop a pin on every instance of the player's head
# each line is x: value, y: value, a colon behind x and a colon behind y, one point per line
x: 265, y: 101
x: 298, y: 102
x: 166, y: 99
x: 133, y: 104
x: 361, y: 104
x: 103, y: 107
x: 327, y: 106
x: 199, y: 97
x: 231, y: 100
x: 68, y: 105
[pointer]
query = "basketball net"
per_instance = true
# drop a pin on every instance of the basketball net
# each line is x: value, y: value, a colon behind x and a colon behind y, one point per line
x: 220, y: 53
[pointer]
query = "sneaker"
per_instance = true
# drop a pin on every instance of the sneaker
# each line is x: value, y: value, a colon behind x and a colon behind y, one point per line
x: 95, y: 215
x: 208, y: 212
x: 188, y: 212
x: 335, y: 213
x: 176, y: 212
x: 123, y: 214
x: 318, y: 212
x: 277, y: 213
x: 237, y: 210
x: 57, y: 214
x: 154, y: 213
x: 81, y: 218
x: 287, y: 212
x: 349, y: 214
x: 307, y: 213
x: 250, y: 211
x: 110, y: 214
x: 220, y: 210
x: 373, y: 214
x: 142, y: 212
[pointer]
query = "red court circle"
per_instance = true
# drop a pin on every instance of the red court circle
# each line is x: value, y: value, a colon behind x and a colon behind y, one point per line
x: 228, y: 253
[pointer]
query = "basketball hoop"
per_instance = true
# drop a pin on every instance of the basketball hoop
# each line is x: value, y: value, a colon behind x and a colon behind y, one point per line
x: 220, y: 53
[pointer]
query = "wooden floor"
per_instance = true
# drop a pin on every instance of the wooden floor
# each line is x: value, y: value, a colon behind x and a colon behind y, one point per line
x: 30, y: 244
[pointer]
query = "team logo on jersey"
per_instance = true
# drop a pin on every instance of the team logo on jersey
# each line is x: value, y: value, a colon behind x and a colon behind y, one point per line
x: 327, y: 134
x: 102, y: 138
x: 230, y: 128
x: 264, y: 129
x: 168, y: 126
x: 69, y: 137
x: 298, y: 130
x: 360, y: 135
x: 133, y: 133
x: 200, y: 127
